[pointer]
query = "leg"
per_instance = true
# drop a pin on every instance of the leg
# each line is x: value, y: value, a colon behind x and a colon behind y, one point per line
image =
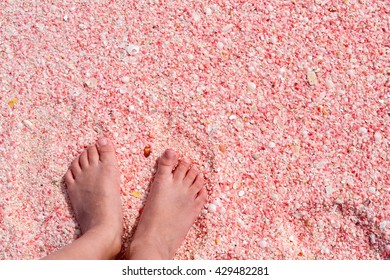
x: 93, y: 184
x: 174, y: 202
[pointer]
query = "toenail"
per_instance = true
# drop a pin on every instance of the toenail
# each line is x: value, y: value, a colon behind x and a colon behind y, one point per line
x: 169, y: 153
x: 186, y: 160
x: 102, y: 141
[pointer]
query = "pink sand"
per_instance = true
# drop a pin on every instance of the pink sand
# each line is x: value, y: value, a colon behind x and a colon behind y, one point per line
x: 284, y: 106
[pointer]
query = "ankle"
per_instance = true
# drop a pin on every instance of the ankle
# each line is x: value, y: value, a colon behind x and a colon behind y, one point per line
x: 147, y: 249
x: 110, y: 242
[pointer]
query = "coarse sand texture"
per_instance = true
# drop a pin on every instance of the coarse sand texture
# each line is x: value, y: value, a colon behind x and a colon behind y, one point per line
x: 282, y: 105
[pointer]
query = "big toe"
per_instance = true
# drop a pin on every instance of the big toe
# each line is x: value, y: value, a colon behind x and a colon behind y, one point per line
x: 167, y: 162
x: 106, y: 151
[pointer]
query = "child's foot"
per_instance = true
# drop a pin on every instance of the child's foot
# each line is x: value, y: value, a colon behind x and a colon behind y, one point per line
x: 175, y: 200
x: 93, y: 183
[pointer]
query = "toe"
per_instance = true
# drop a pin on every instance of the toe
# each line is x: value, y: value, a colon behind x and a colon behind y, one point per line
x: 106, y: 151
x: 198, y: 183
x: 93, y: 155
x: 75, y: 167
x: 83, y: 159
x: 202, y: 197
x: 182, y: 169
x: 167, y: 162
x: 190, y: 176
x: 69, y: 179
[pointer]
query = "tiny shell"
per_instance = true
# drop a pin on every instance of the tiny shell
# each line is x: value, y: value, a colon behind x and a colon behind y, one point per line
x: 312, y: 78
x: 196, y: 17
x: 217, y: 202
x: 147, y: 151
x: 251, y: 69
x: 383, y: 225
x: 136, y: 194
x: 251, y: 86
x: 125, y: 79
x: 271, y: 145
x: 378, y: 136
x: 132, y: 49
x: 91, y: 83
x: 362, y: 130
x: 372, y: 190
x: 212, y: 208
x: 28, y: 124
x: 236, y: 184
x: 247, y: 101
x: 12, y: 102
x: 208, y: 11
x: 240, y: 222
x: 222, y: 148
x: 220, y: 45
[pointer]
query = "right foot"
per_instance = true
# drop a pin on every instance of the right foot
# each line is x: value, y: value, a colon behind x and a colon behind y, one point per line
x: 174, y: 202
x: 93, y: 184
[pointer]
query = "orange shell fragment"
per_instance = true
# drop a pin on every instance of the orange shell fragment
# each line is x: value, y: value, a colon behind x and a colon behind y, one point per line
x: 136, y: 194
x: 147, y: 151
x: 12, y: 102
x: 222, y: 148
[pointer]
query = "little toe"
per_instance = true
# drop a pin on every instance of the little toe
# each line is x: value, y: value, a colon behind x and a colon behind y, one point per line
x: 201, y: 197
x: 83, y: 159
x: 198, y: 183
x: 182, y: 169
x: 190, y: 176
x: 69, y: 179
x: 106, y: 151
x: 75, y: 167
x: 167, y: 162
x: 93, y: 155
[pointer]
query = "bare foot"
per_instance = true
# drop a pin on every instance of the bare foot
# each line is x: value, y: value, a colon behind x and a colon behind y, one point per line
x: 93, y: 183
x: 174, y: 202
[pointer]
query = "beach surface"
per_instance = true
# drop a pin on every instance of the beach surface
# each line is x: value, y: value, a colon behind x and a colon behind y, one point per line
x: 282, y: 105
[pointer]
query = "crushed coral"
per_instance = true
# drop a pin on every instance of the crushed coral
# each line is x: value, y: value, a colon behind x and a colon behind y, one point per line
x: 283, y: 105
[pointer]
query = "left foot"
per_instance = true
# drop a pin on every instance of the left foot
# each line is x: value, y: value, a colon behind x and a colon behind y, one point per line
x: 93, y: 184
